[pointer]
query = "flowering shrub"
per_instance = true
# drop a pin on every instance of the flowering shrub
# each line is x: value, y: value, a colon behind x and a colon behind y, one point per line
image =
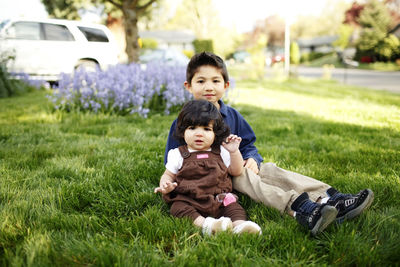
x: 124, y: 89
x: 16, y: 83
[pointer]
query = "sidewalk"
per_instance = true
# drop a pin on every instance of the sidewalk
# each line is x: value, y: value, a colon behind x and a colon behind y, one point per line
x: 378, y: 80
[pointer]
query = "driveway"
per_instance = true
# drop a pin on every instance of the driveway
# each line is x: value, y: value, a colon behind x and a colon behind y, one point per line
x: 379, y: 80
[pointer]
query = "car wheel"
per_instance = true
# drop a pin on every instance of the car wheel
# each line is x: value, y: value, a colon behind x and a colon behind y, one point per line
x: 88, y: 65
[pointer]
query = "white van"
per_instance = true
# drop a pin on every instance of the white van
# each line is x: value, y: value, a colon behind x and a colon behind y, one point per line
x: 45, y: 48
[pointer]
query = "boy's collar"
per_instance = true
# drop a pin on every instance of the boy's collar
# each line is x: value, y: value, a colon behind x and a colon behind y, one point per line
x: 222, y: 108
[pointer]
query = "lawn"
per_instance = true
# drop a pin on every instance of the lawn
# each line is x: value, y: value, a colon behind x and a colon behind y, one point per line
x: 333, y: 60
x: 77, y: 188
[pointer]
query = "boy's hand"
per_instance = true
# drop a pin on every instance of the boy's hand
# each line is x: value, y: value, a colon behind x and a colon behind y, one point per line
x: 251, y: 164
x: 232, y: 143
x: 166, y: 187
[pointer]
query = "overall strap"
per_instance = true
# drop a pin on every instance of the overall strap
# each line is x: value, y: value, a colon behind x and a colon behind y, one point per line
x: 184, y: 151
x: 216, y: 150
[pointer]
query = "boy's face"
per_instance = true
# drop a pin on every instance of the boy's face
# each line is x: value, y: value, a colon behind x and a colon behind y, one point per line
x: 207, y: 84
x: 199, y: 137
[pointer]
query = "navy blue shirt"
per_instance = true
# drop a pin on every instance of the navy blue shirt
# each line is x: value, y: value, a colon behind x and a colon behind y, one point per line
x: 238, y: 126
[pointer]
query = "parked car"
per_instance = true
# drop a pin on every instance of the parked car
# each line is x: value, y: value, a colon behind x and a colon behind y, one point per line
x: 45, y: 48
x: 275, y: 55
x: 240, y: 56
x: 166, y: 56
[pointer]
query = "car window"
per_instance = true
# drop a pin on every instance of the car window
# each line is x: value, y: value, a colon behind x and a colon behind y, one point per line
x: 24, y: 30
x: 3, y: 23
x: 56, y: 32
x: 93, y: 35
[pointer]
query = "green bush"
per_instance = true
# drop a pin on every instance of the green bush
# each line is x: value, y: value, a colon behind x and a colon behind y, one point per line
x: 9, y: 86
x: 149, y: 43
x: 388, y: 48
x: 294, y: 53
x: 5, y: 83
x: 308, y: 57
x: 203, y: 45
x: 188, y: 53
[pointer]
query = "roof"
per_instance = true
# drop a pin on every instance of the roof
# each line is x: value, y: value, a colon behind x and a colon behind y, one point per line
x: 317, y: 41
x: 169, y: 36
x: 396, y: 31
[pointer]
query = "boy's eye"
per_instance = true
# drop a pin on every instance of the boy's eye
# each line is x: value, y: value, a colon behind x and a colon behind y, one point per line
x: 208, y: 129
x: 191, y: 127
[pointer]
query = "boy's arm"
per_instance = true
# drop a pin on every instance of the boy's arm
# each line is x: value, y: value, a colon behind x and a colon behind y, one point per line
x: 171, y: 142
x: 240, y: 127
x: 252, y: 165
x: 247, y: 147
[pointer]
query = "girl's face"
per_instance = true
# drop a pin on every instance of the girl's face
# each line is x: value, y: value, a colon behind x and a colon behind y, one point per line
x: 199, y: 137
x: 208, y: 84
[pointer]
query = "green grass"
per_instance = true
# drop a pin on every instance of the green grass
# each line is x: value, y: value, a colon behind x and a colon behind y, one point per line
x: 76, y: 188
x: 330, y: 59
x: 381, y: 66
x: 334, y: 61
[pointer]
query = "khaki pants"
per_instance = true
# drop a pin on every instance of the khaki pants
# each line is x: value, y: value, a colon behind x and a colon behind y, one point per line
x: 276, y: 187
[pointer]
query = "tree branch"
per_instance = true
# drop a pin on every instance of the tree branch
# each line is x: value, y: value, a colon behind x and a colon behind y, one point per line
x: 119, y: 6
x: 145, y: 6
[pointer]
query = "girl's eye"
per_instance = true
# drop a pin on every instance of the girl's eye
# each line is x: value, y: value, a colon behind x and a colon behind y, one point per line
x: 217, y: 81
x: 191, y: 127
x: 208, y: 129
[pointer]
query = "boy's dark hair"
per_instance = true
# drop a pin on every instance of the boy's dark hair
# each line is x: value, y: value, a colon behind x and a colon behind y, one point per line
x: 205, y: 59
x: 201, y: 113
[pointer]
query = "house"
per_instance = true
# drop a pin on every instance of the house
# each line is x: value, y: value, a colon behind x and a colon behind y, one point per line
x: 180, y: 40
x: 322, y: 44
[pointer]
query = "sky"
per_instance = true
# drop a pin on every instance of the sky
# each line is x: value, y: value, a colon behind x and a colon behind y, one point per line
x: 242, y: 14
x: 22, y: 8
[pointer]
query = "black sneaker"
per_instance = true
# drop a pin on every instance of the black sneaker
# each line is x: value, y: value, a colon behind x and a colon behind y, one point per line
x: 314, y: 216
x: 349, y: 205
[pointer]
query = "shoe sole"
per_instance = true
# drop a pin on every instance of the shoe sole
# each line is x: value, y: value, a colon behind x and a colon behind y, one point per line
x: 247, y: 227
x: 328, y: 215
x: 357, y: 211
x: 222, y: 224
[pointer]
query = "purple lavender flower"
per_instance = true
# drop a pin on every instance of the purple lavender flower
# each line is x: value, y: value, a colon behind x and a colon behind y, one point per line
x: 123, y: 89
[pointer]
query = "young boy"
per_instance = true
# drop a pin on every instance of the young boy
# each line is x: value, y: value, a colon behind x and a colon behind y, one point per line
x: 313, y: 203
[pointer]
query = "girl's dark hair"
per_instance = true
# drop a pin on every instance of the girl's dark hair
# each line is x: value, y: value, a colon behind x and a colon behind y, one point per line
x: 201, y: 113
x: 205, y: 59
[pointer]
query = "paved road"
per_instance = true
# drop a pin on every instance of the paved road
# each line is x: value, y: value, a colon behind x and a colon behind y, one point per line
x: 379, y: 80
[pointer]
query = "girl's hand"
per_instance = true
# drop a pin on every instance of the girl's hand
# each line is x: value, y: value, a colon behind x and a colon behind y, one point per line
x: 232, y: 143
x: 166, y: 187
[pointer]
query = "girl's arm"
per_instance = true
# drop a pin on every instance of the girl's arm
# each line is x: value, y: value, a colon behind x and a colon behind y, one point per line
x: 167, y: 183
x: 232, y: 146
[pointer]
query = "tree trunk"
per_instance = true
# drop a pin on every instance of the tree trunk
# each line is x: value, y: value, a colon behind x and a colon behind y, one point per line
x: 131, y: 32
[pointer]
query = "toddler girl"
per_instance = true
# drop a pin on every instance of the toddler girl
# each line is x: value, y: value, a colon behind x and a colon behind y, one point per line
x: 197, y: 179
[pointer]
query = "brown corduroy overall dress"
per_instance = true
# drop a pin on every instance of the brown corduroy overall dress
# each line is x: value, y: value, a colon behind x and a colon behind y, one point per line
x: 202, y: 177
